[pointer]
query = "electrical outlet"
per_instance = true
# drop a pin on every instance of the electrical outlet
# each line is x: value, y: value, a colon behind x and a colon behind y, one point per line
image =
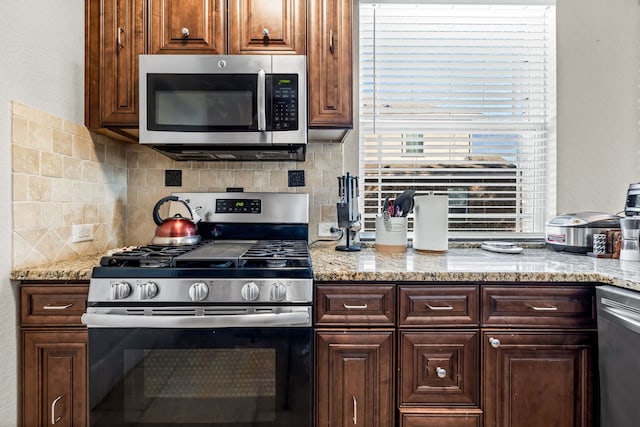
x: 81, y: 232
x: 324, y: 230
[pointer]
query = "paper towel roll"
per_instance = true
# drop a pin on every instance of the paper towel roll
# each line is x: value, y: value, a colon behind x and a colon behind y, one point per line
x: 431, y: 223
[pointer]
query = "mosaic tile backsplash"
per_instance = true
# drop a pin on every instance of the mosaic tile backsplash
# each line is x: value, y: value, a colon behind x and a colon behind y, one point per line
x: 63, y: 174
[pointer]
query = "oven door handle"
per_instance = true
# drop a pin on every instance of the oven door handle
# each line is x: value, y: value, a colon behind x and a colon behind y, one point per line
x: 298, y: 319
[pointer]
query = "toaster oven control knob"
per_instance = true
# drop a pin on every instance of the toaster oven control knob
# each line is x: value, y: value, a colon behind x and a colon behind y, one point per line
x: 198, y: 291
x: 278, y: 292
x: 120, y: 290
x: 147, y: 290
x: 250, y: 291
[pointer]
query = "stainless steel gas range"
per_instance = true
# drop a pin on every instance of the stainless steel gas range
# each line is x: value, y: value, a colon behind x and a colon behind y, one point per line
x: 212, y: 334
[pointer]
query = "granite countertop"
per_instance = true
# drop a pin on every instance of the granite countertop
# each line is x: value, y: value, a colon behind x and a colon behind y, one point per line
x: 457, y: 264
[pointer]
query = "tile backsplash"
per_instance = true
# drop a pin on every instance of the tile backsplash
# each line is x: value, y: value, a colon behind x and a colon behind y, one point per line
x: 64, y: 175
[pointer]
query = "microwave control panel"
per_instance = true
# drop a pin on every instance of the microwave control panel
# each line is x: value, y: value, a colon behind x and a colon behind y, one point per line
x: 284, y: 101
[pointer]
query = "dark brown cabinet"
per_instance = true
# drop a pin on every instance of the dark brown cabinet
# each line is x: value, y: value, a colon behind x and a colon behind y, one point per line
x: 354, y: 378
x: 539, y: 347
x: 187, y: 26
x: 53, y: 356
x: 355, y: 351
x: 267, y: 26
x: 466, y: 354
x: 538, y: 378
x: 114, y: 34
x: 330, y: 63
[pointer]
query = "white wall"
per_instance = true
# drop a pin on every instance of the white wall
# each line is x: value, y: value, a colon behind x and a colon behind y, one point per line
x: 598, y: 103
x: 42, y: 65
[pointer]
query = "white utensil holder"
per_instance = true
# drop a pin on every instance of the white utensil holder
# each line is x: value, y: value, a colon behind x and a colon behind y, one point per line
x: 391, y: 234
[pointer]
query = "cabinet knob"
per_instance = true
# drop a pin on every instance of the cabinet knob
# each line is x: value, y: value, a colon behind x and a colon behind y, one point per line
x: 441, y: 372
x: 185, y: 32
x: 494, y: 342
x: 265, y: 32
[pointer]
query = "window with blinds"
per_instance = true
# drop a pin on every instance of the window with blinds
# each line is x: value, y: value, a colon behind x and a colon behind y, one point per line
x: 459, y: 99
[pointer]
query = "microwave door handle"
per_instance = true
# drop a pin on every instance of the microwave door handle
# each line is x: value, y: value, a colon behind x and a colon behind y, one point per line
x: 262, y: 114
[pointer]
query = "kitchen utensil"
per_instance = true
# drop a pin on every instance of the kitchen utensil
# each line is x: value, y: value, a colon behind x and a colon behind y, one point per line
x: 347, y: 210
x: 404, y: 203
x: 176, y: 230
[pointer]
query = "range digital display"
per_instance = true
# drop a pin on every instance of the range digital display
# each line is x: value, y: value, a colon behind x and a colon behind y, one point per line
x: 250, y: 206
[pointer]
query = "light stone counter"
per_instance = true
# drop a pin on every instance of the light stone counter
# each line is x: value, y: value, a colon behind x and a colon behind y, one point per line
x: 471, y: 264
x: 457, y: 264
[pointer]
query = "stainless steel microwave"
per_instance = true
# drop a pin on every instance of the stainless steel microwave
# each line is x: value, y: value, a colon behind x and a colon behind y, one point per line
x: 224, y: 107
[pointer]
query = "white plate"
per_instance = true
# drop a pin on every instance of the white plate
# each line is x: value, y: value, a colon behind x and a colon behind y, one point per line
x: 501, y: 247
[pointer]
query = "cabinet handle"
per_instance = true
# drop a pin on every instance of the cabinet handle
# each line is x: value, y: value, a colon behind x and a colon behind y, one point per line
x: 185, y: 32
x: 549, y: 308
x: 355, y: 307
x: 441, y: 372
x: 439, y: 308
x: 494, y: 342
x: 265, y: 32
x: 55, y: 420
x: 57, y: 307
x: 355, y: 410
x: 331, y: 41
x: 120, y: 33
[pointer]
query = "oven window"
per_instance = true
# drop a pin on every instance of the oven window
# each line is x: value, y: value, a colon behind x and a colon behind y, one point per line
x: 193, y: 377
x: 239, y: 385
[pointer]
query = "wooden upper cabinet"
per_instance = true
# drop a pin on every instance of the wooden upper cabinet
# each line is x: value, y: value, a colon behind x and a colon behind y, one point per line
x: 330, y: 63
x: 114, y: 39
x: 267, y: 26
x: 187, y: 26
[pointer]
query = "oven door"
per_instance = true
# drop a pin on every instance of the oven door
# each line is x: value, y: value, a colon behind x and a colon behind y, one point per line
x: 234, y: 377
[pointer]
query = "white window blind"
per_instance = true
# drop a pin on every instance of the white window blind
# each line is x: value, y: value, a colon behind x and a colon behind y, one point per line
x: 459, y: 99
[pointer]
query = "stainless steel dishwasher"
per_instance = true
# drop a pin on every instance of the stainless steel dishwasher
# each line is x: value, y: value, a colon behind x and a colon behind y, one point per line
x: 619, y: 356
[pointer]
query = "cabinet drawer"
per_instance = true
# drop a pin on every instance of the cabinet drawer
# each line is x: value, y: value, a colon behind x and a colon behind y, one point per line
x: 52, y: 305
x: 371, y: 305
x: 422, y: 306
x: 559, y: 306
x: 442, y: 418
x: 438, y: 367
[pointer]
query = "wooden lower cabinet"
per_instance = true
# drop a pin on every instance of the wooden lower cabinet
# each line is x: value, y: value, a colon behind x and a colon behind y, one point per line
x: 354, y: 378
x: 53, y: 354
x: 54, y: 378
x: 539, y: 378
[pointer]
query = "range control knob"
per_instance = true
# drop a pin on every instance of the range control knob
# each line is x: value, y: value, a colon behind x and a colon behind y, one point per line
x: 120, y: 290
x: 278, y: 292
x: 250, y: 291
x: 147, y: 290
x: 198, y: 291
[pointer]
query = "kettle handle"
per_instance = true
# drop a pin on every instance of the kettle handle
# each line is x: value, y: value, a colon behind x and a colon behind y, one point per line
x: 156, y: 209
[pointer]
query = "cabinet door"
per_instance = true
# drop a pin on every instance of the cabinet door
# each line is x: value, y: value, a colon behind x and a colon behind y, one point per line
x: 187, y: 26
x: 330, y: 63
x: 354, y: 378
x: 54, y: 381
x: 267, y: 26
x: 120, y: 36
x: 438, y: 368
x: 538, y: 379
